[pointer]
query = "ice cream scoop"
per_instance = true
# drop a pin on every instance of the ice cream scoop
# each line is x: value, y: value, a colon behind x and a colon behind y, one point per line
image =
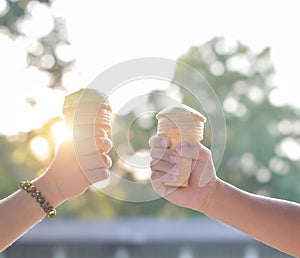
x: 181, y: 124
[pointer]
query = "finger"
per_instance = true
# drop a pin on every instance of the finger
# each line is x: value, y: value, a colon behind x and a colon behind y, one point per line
x: 97, y: 175
x: 157, y: 176
x: 92, y: 145
x: 163, y: 177
x: 104, y: 144
x: 164, y: 154
x: 87, y: 131
x: 100, y: 132
x: 106, y: 160
x: 158, y: 141
x: 194, y: 150
x: 158, y: 180
x: 163, y: 166
x: 94, y: 161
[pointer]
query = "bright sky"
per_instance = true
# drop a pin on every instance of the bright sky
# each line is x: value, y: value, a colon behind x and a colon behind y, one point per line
x: 104, y: 33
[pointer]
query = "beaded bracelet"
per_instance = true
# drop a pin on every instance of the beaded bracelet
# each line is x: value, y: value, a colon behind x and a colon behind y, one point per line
x: 29, y: 188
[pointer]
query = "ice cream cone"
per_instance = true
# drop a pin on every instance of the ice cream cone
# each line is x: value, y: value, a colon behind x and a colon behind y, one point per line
x: 181, y: 124
x: 89, y: 107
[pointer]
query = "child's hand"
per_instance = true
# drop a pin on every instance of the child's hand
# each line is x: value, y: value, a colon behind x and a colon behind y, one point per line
x: 203, y: 178
x: 79, y: 164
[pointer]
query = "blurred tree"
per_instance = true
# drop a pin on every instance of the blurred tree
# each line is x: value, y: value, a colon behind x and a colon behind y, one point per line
x: 262, y: 139
x: 44, y: 39
x: 10, y: 170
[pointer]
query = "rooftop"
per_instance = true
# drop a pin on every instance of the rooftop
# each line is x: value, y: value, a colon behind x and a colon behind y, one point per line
x: 135, y: 231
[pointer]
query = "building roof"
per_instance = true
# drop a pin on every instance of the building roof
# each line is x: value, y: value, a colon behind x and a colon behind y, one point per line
x: 134, y: 231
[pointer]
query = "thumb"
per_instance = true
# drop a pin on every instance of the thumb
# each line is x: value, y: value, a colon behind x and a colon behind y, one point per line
x: 189, y: 150
x: 208, y: 173
x: 194, y: 150
x: 97, y: 175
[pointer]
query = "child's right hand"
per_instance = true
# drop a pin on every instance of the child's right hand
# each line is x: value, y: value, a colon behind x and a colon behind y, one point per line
x: 203, y: 180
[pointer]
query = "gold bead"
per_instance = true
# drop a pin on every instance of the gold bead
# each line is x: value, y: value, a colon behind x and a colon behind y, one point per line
x: 30, y: 188
x: 52, y: 213
x: 22, y: 183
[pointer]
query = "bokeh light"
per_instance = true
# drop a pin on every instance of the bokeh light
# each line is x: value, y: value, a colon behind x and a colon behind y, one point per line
x: 38, y: 22
x: 3, y: 7
x: 40, y: 148
x: 60, y: 133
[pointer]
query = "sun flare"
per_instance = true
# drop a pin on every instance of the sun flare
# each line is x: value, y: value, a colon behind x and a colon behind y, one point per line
x: 60, y: 133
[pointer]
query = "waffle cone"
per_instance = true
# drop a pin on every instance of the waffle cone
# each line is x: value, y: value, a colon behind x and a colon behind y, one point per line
x: 181, y: 127
x: 185, y: 164
x: 88, y: 114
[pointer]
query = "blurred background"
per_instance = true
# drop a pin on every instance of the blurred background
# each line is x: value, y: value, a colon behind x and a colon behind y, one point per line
x: 249, y: 54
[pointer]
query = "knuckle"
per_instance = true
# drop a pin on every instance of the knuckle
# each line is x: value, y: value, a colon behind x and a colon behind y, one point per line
x: 158, y: 141
x: 157, y: 153
x: 153, y: 176
x: 104, y: 143
x: 100, y: 132
x: 151, y: 140
x: 153, y: 163
x: 206, y: 152
x: 107, y: 161
x: 108, y: 144
x: 188, y: 149
x: 152, y: 152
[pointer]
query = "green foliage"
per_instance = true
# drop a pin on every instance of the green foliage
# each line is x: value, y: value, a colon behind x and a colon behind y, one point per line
x: 254, y: 159
x: 42, y: 46
x: 256, y: 130
x: 17, y: 161
x: 11, y: 170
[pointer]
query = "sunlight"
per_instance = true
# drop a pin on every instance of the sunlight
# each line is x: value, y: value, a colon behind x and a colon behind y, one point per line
x: 39, y: 23
x: 100, y: 184
x: 290, y: 148
x: 279, y: 166
x: 40, y: 148
x: 137, y: 164
x: 142, y: 174
x: 230, y: 105
x: 256, y: 94
x: 263, y: 175
x: 137, y: 88
x: 217, y: 68
x: 27, y: 96
x: 60, y: 133
x: 65, y: 52
x: 3, y: 7
x: 239, y: 63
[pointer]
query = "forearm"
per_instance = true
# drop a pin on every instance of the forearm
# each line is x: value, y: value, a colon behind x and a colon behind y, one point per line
x: 274, y: 222
x: 20, y: 211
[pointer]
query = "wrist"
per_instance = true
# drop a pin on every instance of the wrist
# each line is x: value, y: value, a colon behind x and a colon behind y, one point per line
x: 216, y: 200
x: 48, y: 187
x: 210, y: 190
